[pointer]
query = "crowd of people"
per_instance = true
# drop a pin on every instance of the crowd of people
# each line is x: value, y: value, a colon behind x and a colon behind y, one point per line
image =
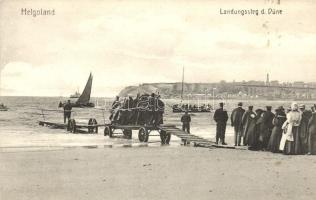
x: 291, y: 131
x: 144, y: 109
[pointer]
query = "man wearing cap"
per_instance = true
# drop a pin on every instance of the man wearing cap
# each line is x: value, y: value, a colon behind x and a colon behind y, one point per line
x: 236, y: 122
x: 220, y: 117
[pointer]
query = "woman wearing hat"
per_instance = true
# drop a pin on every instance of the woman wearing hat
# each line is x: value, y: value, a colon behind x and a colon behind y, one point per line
x: 278, y: 121
x: 288, y: 143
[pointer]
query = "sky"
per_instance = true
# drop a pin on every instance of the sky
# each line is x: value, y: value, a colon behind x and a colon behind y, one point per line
x: 132, y: 42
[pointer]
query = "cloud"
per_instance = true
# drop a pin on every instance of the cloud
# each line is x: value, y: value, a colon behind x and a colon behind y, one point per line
x: 29, y: 80
x: 128, y: 43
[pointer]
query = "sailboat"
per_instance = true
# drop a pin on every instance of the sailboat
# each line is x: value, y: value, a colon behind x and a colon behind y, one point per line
x: 177, y: 108
x: 84, y: 98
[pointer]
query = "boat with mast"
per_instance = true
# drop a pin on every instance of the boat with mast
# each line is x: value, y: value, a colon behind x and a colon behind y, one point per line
x: 84, y: 98
x: 178, y: 108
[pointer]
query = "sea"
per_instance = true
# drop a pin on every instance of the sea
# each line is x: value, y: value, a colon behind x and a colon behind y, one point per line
x: 20, y: 130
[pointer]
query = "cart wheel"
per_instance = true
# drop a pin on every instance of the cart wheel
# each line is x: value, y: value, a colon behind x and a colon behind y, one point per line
x: 90, y: 130
x: 143, y: 134
x: 127, y: 133
x: 72, y: 126
x: 110, y: 132
x: 106, y: 130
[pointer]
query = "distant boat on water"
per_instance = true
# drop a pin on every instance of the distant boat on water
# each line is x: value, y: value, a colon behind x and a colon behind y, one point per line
x: 75, y: 95
x: 84, y: 98
x: 3, y: 107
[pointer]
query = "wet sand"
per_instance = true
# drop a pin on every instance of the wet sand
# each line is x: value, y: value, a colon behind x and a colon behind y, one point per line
x: 165, y: 172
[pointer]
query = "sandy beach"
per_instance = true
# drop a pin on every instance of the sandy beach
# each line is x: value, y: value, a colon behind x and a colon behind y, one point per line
x: 42, y: 163
x: 155, y: 173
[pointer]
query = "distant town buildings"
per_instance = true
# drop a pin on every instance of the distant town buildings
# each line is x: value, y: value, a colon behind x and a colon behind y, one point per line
x: 253, y: 89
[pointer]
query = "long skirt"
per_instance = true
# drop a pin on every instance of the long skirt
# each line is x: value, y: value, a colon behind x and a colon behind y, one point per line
x: 303, y: 137
x: 275, y: 139
x: 293, y: 147
x: 253, y: 137
x: 264, y: 137
x: 312, y: 140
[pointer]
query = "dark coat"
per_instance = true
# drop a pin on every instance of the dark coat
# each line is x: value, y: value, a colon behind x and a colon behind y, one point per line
x: 266, y: 128
x: 268, y: 117
x: 246, y: 119
x: 275, y: 138
x: 303, y: 130
x: 186, y: 119
x: 67, y: 107
x: 220, y: 116
x: 312, y: 134
x: 236, y: 118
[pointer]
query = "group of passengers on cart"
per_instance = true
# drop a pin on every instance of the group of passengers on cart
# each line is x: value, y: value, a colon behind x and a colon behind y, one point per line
x: 143, y: 110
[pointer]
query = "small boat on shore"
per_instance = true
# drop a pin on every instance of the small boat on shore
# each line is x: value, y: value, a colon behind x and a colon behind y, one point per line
x: 3, y: 107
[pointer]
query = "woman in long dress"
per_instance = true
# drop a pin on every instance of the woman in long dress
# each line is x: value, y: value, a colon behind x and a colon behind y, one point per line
x: 247, y: 121
x: 303, y: 136
x: 312, y: 133
x: 288, y: 143
x: 254, y: 130
x: 278, y: 121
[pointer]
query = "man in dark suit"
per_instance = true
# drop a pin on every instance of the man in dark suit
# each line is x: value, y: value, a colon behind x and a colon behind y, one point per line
x: 236, y: 121
x: 67, y: 111
x: 220, y: 117
x: 186, y: 120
